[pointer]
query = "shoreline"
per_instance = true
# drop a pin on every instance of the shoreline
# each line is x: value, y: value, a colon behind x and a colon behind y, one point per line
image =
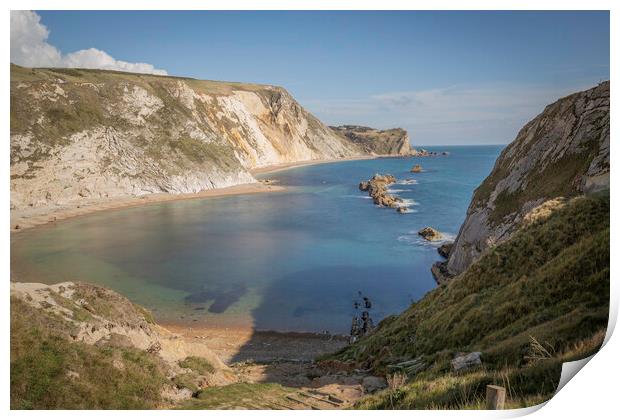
x: 231, y: 343
x: 26, y: 219
x: 29, y: 218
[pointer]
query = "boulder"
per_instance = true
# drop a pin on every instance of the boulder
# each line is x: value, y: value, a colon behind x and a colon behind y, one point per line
x: 430, y: 234
x: 466, y: 361
x: 402, y: 209
x: 373, y: 383
x: 444, y: 249
x: 364, y: 186
x: 416, y: 169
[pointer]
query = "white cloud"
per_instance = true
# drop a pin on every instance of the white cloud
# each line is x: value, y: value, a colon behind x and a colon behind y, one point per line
x: 450, y: 115
x: 29, y: 47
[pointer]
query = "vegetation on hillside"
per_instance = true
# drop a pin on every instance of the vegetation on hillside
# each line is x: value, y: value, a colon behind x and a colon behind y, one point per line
x: 50, y: 372
x: 529, y: 304
x: 265, y: 396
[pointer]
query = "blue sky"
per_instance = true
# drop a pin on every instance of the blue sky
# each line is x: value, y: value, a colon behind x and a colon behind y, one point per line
x: 447, y: 77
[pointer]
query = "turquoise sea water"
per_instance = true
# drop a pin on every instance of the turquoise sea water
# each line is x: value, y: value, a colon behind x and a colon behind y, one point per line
x: 288, y: 261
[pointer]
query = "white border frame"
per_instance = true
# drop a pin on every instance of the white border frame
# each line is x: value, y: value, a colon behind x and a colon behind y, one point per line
x: 591, y: 394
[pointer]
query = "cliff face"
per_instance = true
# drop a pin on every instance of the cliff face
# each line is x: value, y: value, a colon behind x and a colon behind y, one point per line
x: 376, y: 142
x: 561, y: 153
x: 78, y: 134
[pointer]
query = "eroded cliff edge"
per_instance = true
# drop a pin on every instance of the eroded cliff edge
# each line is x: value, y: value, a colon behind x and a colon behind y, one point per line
x: 92, y: 134
x: 372, y: 141
x: 562, y: 153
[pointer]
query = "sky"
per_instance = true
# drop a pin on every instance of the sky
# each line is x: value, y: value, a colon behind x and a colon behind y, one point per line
x: 446, y: 77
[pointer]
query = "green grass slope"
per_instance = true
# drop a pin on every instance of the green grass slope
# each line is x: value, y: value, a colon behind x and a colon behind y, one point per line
x: 50, y: 372
x: 528, y: 305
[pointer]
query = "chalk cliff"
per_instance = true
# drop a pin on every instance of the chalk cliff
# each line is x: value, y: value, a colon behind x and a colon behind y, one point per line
x: 93, y: 134
x: 562, y: 153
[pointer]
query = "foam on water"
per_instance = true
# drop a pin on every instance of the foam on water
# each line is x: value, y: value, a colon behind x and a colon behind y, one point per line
x: 412, y: 238
x: 407, y: 182
x: 365, y: 197
x: 408, y: 202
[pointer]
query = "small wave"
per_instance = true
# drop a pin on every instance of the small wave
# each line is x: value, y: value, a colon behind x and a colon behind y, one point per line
x: 412, y: 238
x: 394, y: 191
x: 407, y: 182
x: 408, y: 202
x: 409, y: 211
x: 365, y: 197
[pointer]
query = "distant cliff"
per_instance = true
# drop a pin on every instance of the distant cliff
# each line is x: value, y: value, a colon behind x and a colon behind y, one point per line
x: 376, y: 142
x: 89, y: 134
x: 563, y: 152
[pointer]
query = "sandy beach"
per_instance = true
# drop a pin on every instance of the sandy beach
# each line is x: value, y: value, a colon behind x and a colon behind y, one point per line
x: 244, y: 343
x: 27, y: 218
x: 23, y: 219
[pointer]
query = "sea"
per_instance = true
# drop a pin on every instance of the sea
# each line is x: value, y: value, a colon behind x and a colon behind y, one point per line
x: 292, y: 260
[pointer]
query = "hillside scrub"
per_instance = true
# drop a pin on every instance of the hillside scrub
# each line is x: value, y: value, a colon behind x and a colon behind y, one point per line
x: 529, y: 304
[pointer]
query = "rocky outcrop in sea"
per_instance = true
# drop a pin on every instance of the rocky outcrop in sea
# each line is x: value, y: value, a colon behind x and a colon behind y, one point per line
x: 426, y: 153
x: 377, y: 188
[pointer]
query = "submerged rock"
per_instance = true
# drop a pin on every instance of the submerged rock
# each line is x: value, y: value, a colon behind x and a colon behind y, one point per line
x: 430, y: 234
x: 402, y: 209
x: 416, y: 169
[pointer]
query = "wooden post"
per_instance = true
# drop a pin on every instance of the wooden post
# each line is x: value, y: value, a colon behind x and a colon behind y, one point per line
x: 496, y: 396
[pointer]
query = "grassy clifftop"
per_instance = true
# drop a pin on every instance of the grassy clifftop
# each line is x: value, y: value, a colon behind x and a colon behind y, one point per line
x: 529, y: 304
x: 380, y: 142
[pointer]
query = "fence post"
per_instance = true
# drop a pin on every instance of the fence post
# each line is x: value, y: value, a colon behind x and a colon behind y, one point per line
x: 496, y: 396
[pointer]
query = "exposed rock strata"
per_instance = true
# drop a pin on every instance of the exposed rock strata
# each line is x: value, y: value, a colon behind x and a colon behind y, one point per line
x: 81, y: 135
x: 561, y: 153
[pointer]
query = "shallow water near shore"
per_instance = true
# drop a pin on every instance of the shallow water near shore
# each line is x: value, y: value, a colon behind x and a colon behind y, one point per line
x: 287, y: 261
